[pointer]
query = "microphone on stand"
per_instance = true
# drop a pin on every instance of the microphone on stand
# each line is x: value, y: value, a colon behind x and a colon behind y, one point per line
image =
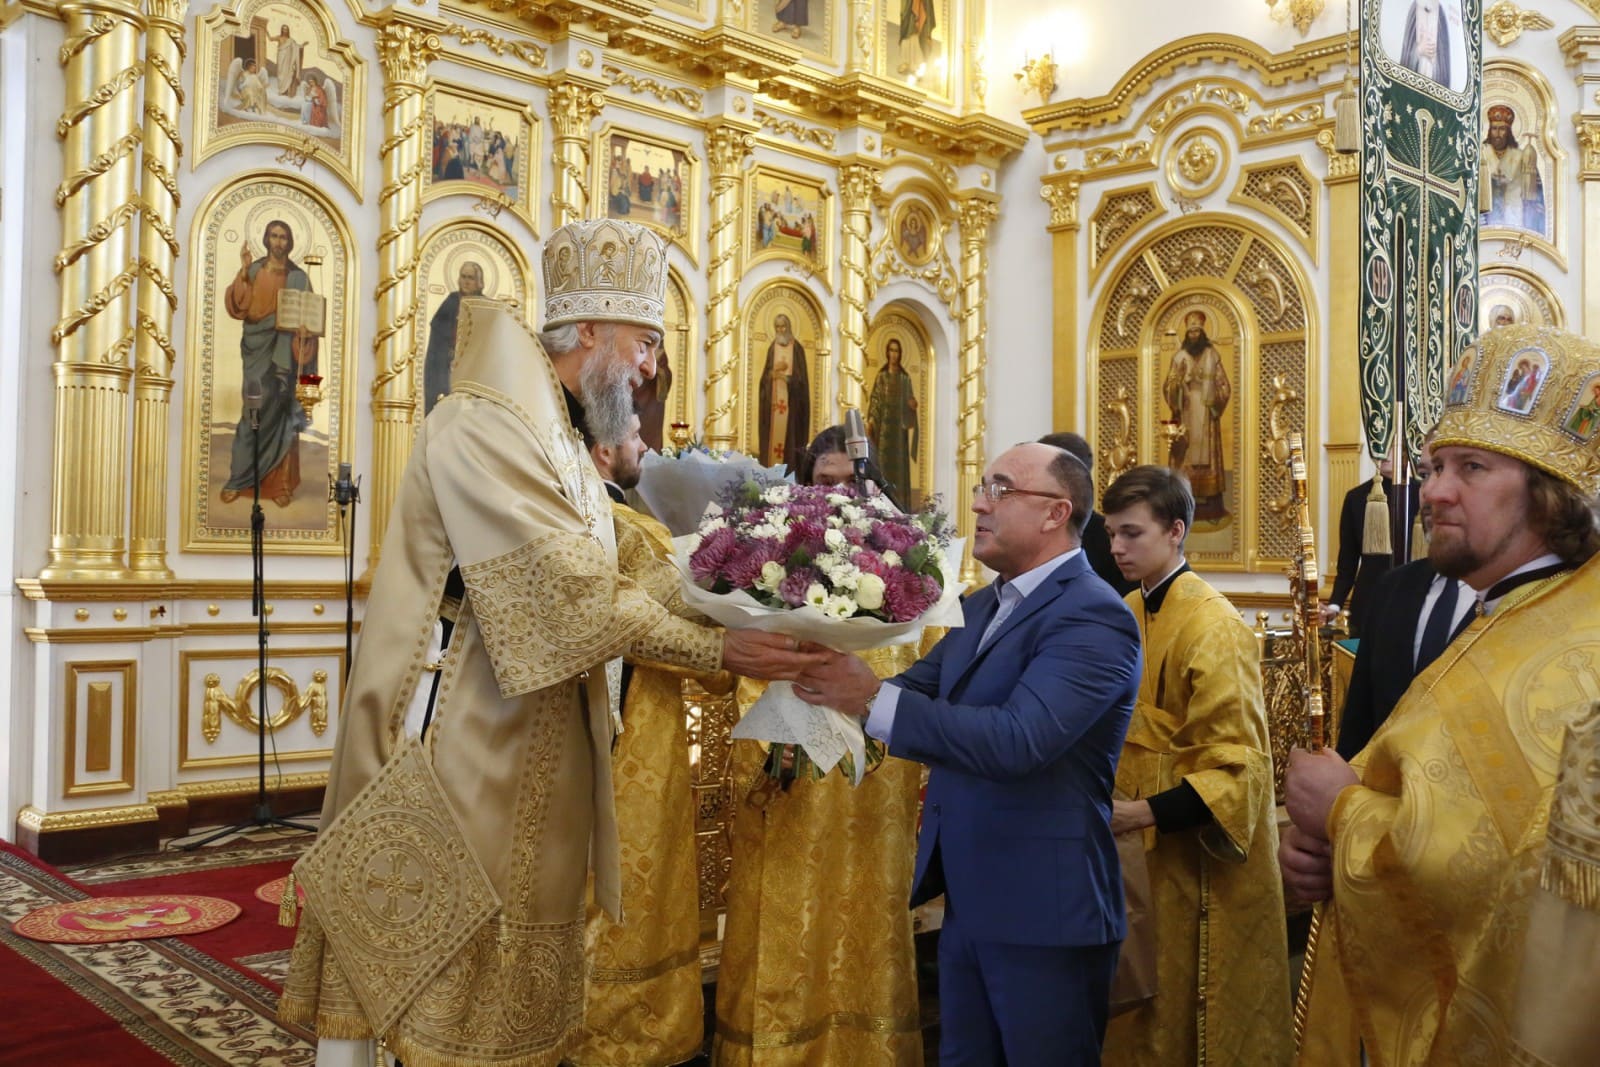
x: 856, y: 446
x: 251, y: 395
x: 346, y: 490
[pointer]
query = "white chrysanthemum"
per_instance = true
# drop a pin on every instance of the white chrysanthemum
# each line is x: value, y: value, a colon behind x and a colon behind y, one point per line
x: 766, y: 531
x: 834, y: 522
x: 869, y: 592
x: 772, y: 575
x: 838, y: 499
x: 852, y: 514
x: 777, y: 494
x: 838, y: 607
x: 816, y: 596
x: 892, y: 558
x: 712, y: 524
x: 834, y: 539
x: 864, y: 525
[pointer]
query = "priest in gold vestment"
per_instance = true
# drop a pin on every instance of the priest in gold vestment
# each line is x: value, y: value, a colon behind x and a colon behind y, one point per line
x: 1196, y: 778
x: 445, y: 892
x: 1429, y: 850
x: 818, y: 964
x: 644, y: 1006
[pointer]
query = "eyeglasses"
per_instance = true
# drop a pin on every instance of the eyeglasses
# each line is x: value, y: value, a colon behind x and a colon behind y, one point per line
x: 998, y: 491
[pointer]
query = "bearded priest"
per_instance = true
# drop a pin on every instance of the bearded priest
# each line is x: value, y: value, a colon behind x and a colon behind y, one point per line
x: 445, y: 894
x: 1428, y: 845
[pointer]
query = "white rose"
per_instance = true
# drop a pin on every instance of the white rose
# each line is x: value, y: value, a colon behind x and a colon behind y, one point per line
x: 816, y: 596
x: 869, y: 592
x: 838, y: 499
x: 772, y: 575
x: 838, y: 607
x: 834, y: 539
x: 892, y: 558
x: 778, y: 494
x: 852, y: 514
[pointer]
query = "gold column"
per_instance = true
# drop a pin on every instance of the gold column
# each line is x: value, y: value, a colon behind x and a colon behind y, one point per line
x: 1589, y: 176
x: 158, y: 249
x: 573, y: 108
x: 727, y: 147
x: 94, y: 335
x: 405, y: 52
x: 858, y: 182
x: 1060, y: 191
x: 977, y: 213
x: 1344, y: 338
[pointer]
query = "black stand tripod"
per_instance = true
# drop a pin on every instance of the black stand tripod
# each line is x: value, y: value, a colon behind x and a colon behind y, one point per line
x: 258, y: 601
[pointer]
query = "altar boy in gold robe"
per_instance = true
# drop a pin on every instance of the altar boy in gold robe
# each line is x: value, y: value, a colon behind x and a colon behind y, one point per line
x: 1427, y: 848
x: 644, y: 1006
x: 1195, y: 779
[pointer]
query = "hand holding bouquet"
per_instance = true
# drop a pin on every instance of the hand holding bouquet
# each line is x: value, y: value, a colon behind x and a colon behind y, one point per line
x: 822, y: 564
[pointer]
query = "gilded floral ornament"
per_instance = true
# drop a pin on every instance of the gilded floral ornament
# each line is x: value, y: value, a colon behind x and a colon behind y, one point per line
x: 406, y: 52
x: 1504, y: 22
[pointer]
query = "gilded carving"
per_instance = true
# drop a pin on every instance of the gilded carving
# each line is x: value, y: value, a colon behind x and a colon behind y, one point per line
x: 405, y: 52
x: 1342, y: 166
x: 727, y: 148
x: 240, y: 706
x: 1197, y: 163
x: 1589, y: 142
x: 1285, y: 118
x: 858, y: 184
x: 1112, y: 155
x: 1226, y: 96
x: 976, y: 215
x: 532, y: 54
x: 1122, y: 455
x: 1118, y: 215
x: 572, y: 109
x: 1504, y: 22
x: 1284, y: 190
x: 688, y: 99
x: 1063, y: 200
x: 822, y: 138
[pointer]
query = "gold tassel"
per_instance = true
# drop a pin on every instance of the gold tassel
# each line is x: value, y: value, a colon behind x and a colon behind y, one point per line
x: 1419, y: 539
x: 1572, y: 879
x: 1347, y: 119
x: 1375, y: 537
x: 288, y: 903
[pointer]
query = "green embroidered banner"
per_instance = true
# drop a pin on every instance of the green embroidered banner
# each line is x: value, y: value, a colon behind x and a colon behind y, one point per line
x: 1420, y: 87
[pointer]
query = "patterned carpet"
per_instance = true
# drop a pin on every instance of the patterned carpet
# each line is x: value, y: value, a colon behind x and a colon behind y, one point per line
x: 132, y: 1003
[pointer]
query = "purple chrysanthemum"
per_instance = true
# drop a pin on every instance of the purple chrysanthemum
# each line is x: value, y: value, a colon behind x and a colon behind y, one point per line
x: 907, y: 595
x: 715, y: 549
x: 807, y: 534
x: 793, y: 588
x: 744, y: 566
x: 894, y: 537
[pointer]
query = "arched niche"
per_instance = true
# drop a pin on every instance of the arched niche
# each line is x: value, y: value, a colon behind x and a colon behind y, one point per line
x: 770, y: 402
x: 1254, y: 305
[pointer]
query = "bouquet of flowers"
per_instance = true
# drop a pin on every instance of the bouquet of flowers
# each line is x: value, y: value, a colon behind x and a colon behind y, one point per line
x: 677, y: 484
x: 823, y: 564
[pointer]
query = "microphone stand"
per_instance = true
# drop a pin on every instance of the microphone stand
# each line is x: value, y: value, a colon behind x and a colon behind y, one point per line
x: 263, y: 815
x: 347, y: 494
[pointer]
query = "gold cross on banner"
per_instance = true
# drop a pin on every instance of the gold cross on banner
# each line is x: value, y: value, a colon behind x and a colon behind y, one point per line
x: 1428, y: 185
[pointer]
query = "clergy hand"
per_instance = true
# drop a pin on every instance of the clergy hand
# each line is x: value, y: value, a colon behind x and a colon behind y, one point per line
x: 772, y: 657
x: 1307, y: 864
x: 1130, y: 815
x: 1313, y: 782
x: 841, y: 681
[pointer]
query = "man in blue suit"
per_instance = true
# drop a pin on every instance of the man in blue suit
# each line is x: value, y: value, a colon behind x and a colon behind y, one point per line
x: 1021, y: 714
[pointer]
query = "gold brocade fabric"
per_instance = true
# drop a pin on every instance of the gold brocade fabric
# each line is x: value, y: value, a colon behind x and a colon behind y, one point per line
x: 1556, y: 1021
x: 1223, y: 990
x: 1437, y: 852
x: 644, y: 1006
x: 493, y: 471
x: 818, y: 966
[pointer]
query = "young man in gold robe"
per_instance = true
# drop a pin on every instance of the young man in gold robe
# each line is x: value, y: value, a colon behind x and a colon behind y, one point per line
x: 644, y: 1006
x: 445, y: 894
x: 1427, y: 848
x: 818, y: 964
x: 1195, y: 780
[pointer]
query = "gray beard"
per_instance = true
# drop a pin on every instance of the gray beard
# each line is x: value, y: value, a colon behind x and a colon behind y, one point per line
x: 606, y: 395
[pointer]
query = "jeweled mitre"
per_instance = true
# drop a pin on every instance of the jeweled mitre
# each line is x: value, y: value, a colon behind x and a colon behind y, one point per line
x: 604, y: 270
x: 1531, y: 392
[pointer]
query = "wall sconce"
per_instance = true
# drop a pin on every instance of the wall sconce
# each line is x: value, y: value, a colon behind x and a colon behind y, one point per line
x: 1038, y: 75
x: 1302, y: 12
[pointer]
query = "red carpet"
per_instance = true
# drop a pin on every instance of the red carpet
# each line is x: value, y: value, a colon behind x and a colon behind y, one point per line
x: 134, y: 1003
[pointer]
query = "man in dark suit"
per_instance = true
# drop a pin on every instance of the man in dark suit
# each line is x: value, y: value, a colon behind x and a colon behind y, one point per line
x: 1413, y: 614
x: 1021, y: 713
x: 1358, y: 572
x: 1096, y: 542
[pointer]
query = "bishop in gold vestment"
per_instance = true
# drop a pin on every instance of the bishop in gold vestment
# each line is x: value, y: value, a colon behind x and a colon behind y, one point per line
x: 1222, y: 962
x: 645, y: 1005
x: 1437, y: 850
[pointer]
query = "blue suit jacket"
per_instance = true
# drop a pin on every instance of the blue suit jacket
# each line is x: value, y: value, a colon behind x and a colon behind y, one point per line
x: 1023, y: 738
